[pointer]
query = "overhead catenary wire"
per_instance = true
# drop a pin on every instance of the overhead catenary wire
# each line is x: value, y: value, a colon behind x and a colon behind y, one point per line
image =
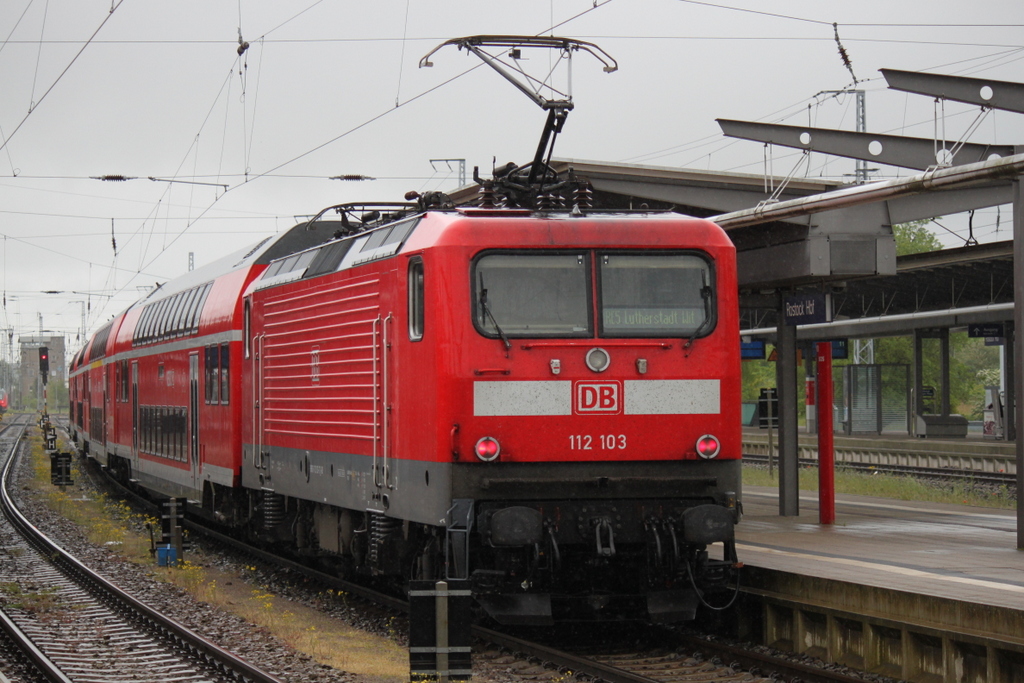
x: 828, y: 23
x: 72, y: 257
x: 172, y: 225
x: 255, y: 107
x: 192, y: 220
x: 401, y: 58
x: 16, y: 24
x: 785, y: 113
x: 39, y: 56
x: 753, y: 11
x: 78, y: 54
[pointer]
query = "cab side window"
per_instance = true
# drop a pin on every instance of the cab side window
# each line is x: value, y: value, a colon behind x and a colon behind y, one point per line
x: 416, y: 305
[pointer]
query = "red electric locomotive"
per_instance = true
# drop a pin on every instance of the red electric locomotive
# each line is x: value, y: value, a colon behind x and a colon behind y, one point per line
x: 546, y: 403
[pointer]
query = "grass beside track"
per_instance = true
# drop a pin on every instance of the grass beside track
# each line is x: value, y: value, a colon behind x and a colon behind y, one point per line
x: 328, y: 640
x: 899, y: 487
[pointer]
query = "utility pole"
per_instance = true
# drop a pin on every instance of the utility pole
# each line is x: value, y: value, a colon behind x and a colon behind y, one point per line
x: 449, y: 162
x: 861, y: 173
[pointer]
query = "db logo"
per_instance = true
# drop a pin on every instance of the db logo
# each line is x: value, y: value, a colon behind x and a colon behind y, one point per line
x: 597, y: 397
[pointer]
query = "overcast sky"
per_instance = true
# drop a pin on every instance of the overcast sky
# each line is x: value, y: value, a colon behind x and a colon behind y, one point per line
x: 157, y: 89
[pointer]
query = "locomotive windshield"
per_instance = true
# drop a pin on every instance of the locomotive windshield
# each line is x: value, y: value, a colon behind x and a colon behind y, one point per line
x: 533, y: 295
x: 549, y: 295
x: 654, y: 295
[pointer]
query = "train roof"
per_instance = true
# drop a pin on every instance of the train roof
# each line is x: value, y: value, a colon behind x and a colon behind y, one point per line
x: 487, y: 226
x: 299, y: 237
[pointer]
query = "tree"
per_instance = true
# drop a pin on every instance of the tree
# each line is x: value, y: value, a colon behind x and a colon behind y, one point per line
x: 914, y: 238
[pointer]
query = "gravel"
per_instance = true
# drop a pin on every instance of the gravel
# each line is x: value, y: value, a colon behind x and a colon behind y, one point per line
x: 249, y: 641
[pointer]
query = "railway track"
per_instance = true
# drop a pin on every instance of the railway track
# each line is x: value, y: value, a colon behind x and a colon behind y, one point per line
x: 933, y: 473
x: 75, y: 625
x: 667, y: 655
x: 705, y: 660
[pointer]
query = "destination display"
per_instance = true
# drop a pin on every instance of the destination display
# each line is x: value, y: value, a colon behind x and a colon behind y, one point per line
x: 652, y: 318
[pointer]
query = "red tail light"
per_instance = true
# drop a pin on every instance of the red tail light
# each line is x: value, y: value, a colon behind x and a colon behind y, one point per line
x: 487, y: 449
x: 708, y: 446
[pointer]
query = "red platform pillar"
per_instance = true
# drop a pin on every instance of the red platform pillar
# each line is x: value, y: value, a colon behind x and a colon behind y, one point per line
x: 826, y: 452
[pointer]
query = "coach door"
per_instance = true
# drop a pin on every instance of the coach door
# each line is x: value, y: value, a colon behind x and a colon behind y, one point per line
x: 193, y: 416
x: 257, y: 401
x: 135, y: 414
x: 106, y: 397
x: 108, y: 409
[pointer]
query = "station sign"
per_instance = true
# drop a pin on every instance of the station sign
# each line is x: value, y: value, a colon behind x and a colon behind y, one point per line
x: 752, y: 350
x: 986, y: 330
x: 805, y: 309
x: 840, y: 348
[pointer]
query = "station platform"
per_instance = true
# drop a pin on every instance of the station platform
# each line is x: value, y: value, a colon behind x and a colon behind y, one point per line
x: 912, y: 590
x: 928, y: 548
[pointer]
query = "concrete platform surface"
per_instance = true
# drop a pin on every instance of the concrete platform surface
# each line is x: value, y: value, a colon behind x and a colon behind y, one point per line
x: 954, y: 552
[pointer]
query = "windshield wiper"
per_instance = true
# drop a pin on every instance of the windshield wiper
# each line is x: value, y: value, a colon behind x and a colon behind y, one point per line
x: 705, y: 294
x: 487, y: 312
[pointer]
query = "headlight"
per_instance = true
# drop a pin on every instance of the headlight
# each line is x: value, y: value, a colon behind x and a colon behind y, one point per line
x: 598, y: 359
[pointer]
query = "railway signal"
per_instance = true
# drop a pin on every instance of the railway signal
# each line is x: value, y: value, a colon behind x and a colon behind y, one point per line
x: 44, y: 362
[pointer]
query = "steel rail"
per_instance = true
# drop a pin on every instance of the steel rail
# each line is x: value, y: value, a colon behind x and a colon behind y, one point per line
x: 1004, y: 478
x: 920, y: 455
x: 781, y: 670
x: 164, y: 626
x: 43, y: 664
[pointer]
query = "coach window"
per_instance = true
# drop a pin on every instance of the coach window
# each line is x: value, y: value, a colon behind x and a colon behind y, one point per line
x: 224, y: 374
x: 181, y: 315
x: 212, y: 374
x: 197, y: 308
x: 161, y: 319
x: 147, y: 323
x: 172, y: 316
x: 655, y: 295
x: 246, y: 327
x: 416, y: 307
x: 532, y: 295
